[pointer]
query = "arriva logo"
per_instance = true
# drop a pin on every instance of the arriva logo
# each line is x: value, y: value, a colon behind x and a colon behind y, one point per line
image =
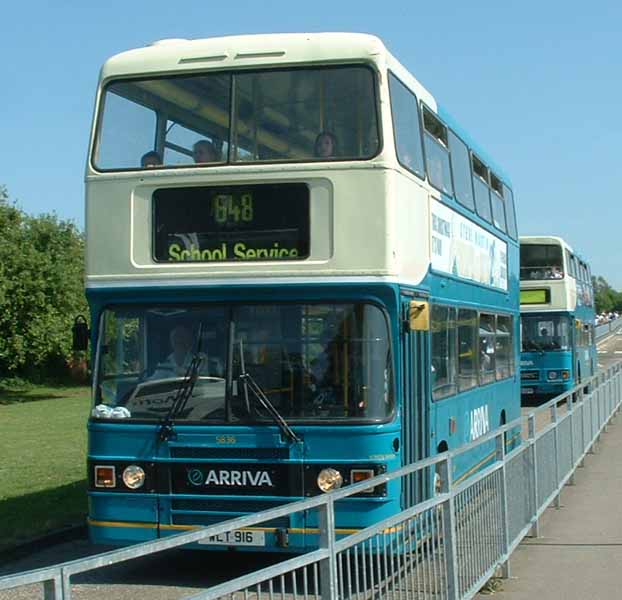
x: 479, y: 422
x: 230, y: 478
x: 195, y: 477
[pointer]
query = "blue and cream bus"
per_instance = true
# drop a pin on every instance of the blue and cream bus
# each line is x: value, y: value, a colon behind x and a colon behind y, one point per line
x: 557, y: 317
x: 301, y: 273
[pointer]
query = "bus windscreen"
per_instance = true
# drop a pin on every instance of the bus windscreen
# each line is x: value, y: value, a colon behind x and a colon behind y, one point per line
x: 325, y: 362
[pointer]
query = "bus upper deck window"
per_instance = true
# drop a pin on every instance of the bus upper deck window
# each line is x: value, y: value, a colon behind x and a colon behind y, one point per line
x: 436, y: 152
x: 322, y: 113
x: 481, y: 183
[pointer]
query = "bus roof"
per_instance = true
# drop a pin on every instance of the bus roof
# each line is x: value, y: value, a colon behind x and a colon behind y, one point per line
x: 550, y: 239
x: 544, y: 239
x: 246, y: 51
x: 169, y: 55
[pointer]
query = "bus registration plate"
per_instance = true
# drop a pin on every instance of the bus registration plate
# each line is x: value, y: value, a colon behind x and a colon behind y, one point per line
x: 527, y: 391
x: 239, y: 537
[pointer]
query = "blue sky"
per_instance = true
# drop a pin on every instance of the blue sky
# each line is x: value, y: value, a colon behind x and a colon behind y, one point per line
x: 537, y: 84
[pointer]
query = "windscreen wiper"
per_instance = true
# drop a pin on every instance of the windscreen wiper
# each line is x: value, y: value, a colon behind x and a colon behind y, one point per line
x: 250, y: 384
x: 183, y: 392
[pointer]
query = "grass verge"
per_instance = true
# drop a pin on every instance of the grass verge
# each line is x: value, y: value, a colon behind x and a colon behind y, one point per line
x: 42, y: 461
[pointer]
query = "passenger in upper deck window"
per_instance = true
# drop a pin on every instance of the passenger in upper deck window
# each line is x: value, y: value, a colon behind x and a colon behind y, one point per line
x: 204, y: 152
x: 325, y: 145
x: 151, y: 159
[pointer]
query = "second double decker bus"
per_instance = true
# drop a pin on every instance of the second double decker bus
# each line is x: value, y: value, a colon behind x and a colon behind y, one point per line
x: 301, y: 273
x: 557, y: 317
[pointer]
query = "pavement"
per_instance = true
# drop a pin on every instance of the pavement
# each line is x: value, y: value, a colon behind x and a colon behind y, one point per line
x: 578, y: 555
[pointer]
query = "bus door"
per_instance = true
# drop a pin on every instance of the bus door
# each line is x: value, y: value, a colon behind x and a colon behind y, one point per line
x: 415, y: 409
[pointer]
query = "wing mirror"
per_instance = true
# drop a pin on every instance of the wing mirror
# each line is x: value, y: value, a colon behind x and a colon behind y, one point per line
x: 81, y: 334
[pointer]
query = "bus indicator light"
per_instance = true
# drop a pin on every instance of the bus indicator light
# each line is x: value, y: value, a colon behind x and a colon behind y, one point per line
x: 419, y: 316
x: 105, y: 476
x: 358, y: 475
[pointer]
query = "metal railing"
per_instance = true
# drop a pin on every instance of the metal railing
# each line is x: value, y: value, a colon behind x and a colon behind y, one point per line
x: 446, y: 547
x: 606, y: 328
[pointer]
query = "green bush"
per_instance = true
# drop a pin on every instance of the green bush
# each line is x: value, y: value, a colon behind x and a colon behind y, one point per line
x: 41, y: 291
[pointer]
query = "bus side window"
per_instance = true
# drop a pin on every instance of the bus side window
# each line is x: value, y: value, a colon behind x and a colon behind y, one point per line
x: 498, y: 203
x: 461, y: 169
x: 406, y: 126
x: 486, y: 348
x: 503, y: 347
x: 467, y: 349
x: 509, y: 211
x: 481, y: 180
x: 437, y: 153
x: 443, y: 340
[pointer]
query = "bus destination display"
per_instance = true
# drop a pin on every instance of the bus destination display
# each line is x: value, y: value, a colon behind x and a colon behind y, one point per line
x: 537, y: 296
x: 268, y: 222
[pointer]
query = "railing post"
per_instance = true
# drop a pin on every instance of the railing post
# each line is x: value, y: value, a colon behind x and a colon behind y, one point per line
x: 581, y: 400
x: 328, y: 566
x: 531, y: 435
x: 556, y: 447
x: 607, y: 403
x: 592, y: 398
x: 66, y: 585
x: 449, y: 529
x: 53, y: 589
x: 571, y: 417
x: 500, y: 456
x: 599, y: 397
x: 600, y: 417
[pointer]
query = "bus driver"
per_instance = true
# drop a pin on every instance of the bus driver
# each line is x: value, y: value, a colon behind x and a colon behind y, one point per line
x: 177, y: 362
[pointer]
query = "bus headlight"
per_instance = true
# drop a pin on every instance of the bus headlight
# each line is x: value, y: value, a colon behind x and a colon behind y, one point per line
x: 133, y: 477
x: 329, y: 479
x: 565, y: 374
x: 438, y: 483
x: 553, y: 375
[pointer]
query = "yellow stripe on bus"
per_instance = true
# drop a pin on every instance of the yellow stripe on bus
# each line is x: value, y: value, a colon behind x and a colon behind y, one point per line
x: 302, y: 530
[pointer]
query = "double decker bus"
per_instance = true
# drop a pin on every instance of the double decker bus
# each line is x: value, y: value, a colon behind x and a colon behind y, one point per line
x: 557, y: 317
x: 301, y: 273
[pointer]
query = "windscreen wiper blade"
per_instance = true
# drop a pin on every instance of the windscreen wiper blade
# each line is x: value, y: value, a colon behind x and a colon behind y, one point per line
x: 183, y: 392
x: 258, y: 393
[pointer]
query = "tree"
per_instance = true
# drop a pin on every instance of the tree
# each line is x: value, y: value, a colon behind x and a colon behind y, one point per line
x: 41, y: 290
x: 605, y: 297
